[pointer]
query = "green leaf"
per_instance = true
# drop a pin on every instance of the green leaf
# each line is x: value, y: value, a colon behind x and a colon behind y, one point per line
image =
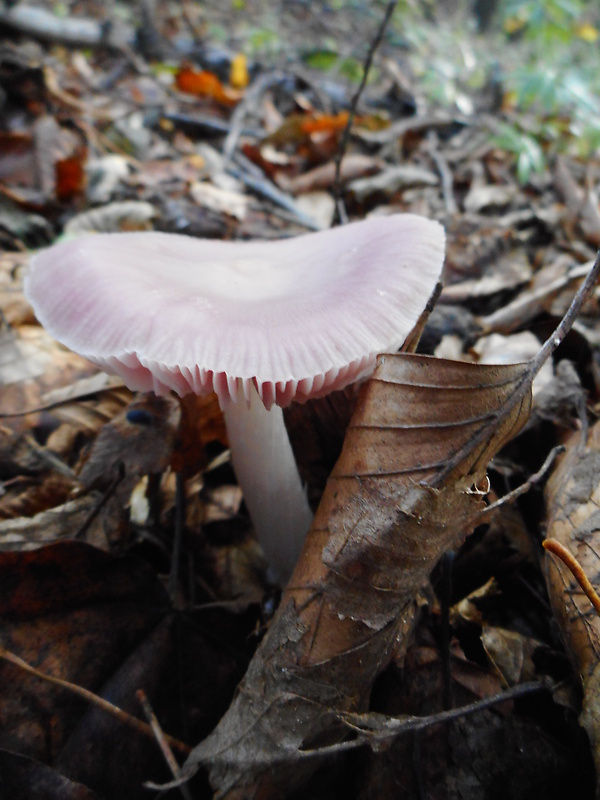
x: 320, y: 59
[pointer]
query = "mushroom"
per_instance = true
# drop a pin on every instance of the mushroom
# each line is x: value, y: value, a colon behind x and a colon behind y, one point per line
x: 260, y: 323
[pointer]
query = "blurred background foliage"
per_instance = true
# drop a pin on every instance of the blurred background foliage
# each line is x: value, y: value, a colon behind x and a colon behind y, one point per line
x: 532, y: 63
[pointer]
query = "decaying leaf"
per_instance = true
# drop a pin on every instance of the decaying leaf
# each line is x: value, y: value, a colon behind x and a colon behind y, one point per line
x: 572, y: 497
x: 24, y: 778
x: 352, y: 167
x: 220, y: 200
x: 510, y: 654
x: 28, y: 496
x: 129, y: 215
x: 31, y: 364
x: 391, y: 180
x: 105, y: 624
x: 141, y: 439
x: 57, y: 605
x: 404, y: 489
x: 15, y: 309
x: 55, y: 524
x: 548, y: 284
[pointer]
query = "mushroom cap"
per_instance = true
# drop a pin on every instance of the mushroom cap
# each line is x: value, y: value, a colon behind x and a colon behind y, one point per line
x: 295, y: 317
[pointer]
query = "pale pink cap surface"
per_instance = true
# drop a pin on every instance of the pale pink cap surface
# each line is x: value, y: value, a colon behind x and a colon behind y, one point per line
x: 295, y: 317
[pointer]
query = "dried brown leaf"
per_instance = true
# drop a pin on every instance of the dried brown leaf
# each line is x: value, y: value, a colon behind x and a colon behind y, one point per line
x: 590, y: 216
x: 73, y: 612
x: 352, y: 167
x: 572, y: 499
x: 15, y: 309
x: 402, y: 492
x: 24, y: 778
x: 85, y: 417
x: 510, y: 653
x: 55, y: 524
x: 31, y: 364
x: 28, y: 496
x: 141, y: 439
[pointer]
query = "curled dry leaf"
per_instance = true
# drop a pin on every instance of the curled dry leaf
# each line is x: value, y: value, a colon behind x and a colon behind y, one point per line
x: 403, y: 491
x: 572, y: 498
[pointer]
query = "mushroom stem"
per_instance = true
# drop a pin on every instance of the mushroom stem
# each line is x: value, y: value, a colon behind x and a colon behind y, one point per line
x: 266, y: 470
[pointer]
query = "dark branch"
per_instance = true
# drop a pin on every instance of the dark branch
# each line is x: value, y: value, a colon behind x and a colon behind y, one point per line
x: 340, y: 212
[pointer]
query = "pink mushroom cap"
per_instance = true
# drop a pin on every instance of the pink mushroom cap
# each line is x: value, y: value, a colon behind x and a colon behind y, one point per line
x: 296, y: 318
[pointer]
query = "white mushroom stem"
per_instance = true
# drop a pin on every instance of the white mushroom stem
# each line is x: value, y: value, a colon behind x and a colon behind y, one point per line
x: 266, y: 470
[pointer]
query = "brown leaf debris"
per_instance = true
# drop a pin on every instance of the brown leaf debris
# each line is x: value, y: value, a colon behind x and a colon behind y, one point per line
x: 572, y: 499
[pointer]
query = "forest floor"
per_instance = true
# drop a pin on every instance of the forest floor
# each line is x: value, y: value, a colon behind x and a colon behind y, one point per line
x: 229, y: 121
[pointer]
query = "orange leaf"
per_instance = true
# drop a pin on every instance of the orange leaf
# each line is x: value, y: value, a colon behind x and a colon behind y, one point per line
x: 70, y: 176
x: 325, y: 123
x: 205, y: 84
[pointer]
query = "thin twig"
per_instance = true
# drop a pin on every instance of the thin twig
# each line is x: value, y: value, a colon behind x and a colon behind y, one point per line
x: 162, y: 741
x: 414, y: 337
x: 393, y: 727
x: 560, y: 551
x: 529, y: 483
x: 566, y: 323
x: 340, y: 211
x: 445, y: 173
x: 127, y: 719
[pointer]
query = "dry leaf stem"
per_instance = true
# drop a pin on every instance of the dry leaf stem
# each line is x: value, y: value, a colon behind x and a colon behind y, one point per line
x: 375, y: 729
x: 162, y: 741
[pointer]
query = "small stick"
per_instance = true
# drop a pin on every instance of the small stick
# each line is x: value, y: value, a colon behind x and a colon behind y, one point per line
x: 162, y: 741
x: 529, y: 483
x: 340, y: 211
x: 90, y: 697
x: 445, y: 173
x: 560, y: 551
x: 393, y: 727
x: 412, y: 340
